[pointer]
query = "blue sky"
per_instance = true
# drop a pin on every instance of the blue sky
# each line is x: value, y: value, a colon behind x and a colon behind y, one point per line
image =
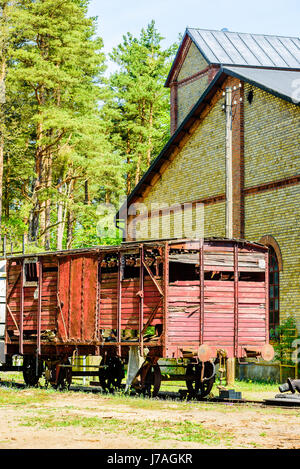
x: 117, y: 17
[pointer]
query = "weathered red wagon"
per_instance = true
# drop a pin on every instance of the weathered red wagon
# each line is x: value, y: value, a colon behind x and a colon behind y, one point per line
x: 205, y: 299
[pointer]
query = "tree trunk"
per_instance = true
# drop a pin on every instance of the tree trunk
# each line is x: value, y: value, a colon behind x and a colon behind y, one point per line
x: 5, y: 199
x: 150, y: 146
x: 140, y: 155
x: 48, y: 202
x: 128, y: 176
x: 128, y: 182
x: 39, y: 205
x: 60, y: 223
x: 86, y: 193
x: 70, y: 224
x: 70, y: 215
x: 37, y: 216
x: 3, y: 40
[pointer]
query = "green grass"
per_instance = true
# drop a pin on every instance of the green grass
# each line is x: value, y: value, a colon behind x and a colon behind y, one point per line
x: 249, y: 385
x: 62, y: 411
x: 256, y: 386
x: 148, y: 429
x: 21, y: 397
x: 14, y: 396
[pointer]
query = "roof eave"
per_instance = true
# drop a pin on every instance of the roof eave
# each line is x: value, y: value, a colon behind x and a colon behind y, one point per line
x: 259, y: 85
x: 175, y: 61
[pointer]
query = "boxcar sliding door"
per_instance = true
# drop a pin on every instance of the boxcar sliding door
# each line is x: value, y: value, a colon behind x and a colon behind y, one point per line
x: 77, y: 294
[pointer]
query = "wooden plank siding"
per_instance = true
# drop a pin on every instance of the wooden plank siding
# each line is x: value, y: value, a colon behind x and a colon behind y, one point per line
x: 232, y: 318
x: 129, y: 302
x: 184, y: 311
x: 48, y: 298
x: 213, y: 293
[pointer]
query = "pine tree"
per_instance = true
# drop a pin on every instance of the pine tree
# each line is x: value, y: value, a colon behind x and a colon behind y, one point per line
x: 6, y: 8
x: 139, y: 106
x: 64, y: 153
x: 58, y: 69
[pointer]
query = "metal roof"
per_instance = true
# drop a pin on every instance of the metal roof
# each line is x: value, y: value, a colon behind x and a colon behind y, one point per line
x: 256, y: 50
x: 282, y: 83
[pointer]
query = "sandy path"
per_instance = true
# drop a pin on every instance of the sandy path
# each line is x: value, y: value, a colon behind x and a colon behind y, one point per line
x: 249, y: 426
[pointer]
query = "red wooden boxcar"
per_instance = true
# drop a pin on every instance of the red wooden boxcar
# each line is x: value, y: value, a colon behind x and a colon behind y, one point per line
x: 204, y: 299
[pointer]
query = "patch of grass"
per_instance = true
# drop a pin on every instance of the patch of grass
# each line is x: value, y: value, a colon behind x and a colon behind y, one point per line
x: 138, y: 402
x: 255, y: 444
x: 17, y: 397
x: 149, y: 429
x: 173, y: 386
x: 255, y: 386
x: 16, y: 376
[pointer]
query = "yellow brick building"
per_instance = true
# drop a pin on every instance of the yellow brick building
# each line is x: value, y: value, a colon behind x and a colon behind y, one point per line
x: 256, y: 159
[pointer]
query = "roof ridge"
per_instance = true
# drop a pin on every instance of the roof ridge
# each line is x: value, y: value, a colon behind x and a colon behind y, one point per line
x: 239, y: 32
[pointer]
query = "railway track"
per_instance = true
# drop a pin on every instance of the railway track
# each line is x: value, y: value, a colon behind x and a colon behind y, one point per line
x: 285, y: 401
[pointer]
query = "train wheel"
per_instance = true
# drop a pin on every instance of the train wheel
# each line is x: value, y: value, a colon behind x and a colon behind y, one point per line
x: 149, y: 379
x: 64, y: 378
x: 59, y: 377
x: 152, y: 381
x: 199, y: 384
x: 31, y: 375
x: 110, y: 378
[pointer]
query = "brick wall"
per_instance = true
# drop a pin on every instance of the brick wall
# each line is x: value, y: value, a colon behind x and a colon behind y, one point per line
x: 192, y: 80
x: 272, y: 138
x: 188, y: 94
x: 266, y: 144
x: 193, y: 62
x: 277, y: 213
x: 272, y: 153
x: 197, y: 173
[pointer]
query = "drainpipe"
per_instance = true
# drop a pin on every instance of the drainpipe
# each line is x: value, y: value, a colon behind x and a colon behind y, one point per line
x: 228, y: 162
x: 117, y: 221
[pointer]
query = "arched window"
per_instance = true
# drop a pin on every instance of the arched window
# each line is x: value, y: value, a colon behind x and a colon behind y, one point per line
x: 274, y: 289
x: 275, y: 266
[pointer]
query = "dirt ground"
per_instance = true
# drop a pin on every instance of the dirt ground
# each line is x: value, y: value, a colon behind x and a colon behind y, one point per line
x: 28, y: 420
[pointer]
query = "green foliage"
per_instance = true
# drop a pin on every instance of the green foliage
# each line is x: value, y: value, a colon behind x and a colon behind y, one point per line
x: 283, y: 338
x: 138, y: 109
x: 72, y: 138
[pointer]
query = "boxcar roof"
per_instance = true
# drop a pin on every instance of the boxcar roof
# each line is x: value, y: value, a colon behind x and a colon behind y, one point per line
x: 129, y: 245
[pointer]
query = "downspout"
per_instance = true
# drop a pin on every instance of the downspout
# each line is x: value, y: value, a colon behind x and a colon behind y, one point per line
x: 117, y: 221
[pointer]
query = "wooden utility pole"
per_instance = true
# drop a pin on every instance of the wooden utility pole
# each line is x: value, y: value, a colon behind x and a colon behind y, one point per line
x: 228, y: 163
x: 230, y: 363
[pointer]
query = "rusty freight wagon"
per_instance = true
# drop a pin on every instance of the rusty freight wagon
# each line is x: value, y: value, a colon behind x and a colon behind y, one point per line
x: 188, y: 300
